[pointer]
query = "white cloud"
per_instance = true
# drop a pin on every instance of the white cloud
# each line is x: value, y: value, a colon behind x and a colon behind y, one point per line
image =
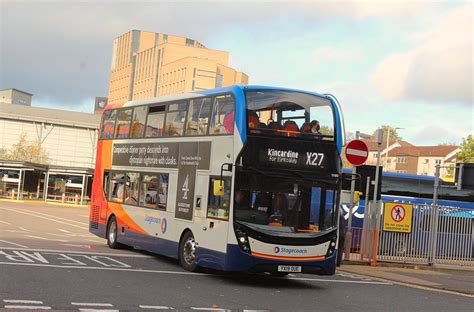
x: 325, y: 55
x: 440, y: 69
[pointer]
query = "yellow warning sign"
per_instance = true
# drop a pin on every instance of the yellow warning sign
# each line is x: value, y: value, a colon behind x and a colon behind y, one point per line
x: 397, y: 217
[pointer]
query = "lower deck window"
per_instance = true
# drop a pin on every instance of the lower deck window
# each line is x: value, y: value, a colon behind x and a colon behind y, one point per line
x: 148, y: 190
x: 218, y: 206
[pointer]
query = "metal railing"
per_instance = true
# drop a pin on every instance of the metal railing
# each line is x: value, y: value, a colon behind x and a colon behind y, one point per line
x: 439, y: 235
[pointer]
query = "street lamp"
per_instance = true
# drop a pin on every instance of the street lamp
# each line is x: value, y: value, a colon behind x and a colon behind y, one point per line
x: 388, y: 140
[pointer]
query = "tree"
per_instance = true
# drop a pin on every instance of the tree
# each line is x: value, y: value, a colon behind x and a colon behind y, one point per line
x: 466, y: 155
x: 394, y: 136
x: 26, y: 150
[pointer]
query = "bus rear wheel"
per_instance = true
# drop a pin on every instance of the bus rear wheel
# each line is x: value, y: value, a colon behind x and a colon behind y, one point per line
x: 112, y: 231
x: 187, y: 252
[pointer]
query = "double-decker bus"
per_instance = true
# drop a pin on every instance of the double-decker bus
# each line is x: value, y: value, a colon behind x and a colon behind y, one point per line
x: 244, y: 178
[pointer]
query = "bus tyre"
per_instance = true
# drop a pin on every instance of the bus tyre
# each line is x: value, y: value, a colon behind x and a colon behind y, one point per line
x: 187, y: 252
x: 112, y: 231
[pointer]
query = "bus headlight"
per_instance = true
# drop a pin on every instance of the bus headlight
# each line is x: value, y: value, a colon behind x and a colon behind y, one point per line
x: 332, y: 247
x: 242, y: 240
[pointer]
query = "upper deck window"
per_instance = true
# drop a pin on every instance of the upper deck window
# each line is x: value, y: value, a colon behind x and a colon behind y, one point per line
x: 108, y: 124
x: 138, y: 122
x: 124, y: 118
x: 222, y: 121
x: 156, y: 121
x: 284, y: 113
x: 175, y: 118
x: 199, y: 113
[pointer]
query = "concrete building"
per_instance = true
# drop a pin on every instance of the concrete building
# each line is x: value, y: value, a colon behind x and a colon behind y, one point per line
x: 148, y: 64
x: 422, y: 160
x: 69, y: 138
x: 403, y: 157
x: 15, y: 96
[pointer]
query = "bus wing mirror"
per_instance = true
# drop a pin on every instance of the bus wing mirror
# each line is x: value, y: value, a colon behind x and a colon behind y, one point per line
x: 218, y: 188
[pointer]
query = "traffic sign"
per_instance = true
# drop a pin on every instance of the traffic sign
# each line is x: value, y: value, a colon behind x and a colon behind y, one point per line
x: 357, y: 152
x: 397, y: 217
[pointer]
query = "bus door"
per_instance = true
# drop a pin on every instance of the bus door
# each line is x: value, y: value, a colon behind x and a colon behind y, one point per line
x: 214, y: 215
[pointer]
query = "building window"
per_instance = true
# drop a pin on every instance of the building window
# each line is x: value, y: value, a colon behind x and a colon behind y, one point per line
x: 165, y: 38
x: 438, y: 161
x: 218, y: 81
x: 426, y: 161
x: 189, y: 42
x: 402, y: 160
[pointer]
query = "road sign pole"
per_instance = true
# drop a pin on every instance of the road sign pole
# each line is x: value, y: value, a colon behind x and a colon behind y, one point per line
x: 376, y: 207
x: 348, y: 241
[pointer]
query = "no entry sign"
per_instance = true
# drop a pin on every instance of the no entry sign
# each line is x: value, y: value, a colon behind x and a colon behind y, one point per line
x: 357, y: 152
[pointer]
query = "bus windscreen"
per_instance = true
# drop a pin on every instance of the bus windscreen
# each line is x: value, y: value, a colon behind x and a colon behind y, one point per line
x: 285, y: 113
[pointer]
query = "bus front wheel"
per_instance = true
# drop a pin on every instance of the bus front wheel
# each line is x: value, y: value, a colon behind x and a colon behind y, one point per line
x: 187, y: 252
x: 112, y: 231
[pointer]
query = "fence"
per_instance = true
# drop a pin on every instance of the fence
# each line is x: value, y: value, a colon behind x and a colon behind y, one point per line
x: 439, y: 235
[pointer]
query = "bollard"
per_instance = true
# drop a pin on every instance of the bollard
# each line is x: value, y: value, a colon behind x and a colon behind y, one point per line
x: 63, y: 198
x: 13, y: 194
x: 76, y: 199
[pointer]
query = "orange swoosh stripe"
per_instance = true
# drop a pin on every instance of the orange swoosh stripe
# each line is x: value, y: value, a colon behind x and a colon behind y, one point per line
x: 259, y: 255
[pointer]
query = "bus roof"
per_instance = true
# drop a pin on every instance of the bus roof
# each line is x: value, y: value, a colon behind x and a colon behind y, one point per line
x: 195, y: 94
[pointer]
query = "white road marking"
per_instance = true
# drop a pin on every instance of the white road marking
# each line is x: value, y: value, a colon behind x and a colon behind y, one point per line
x: 54, y: 234
x: 4, y: 222
x: 49, y: 239
x: 96, y: 310
x: 55, y: 217
x: 23, y: 229
x: 27, y: 307
x: 22, y: 301
x: 91, y: 304
x: 337, y: 281
x: 156, y: 307
x: 50, y: 219
x: 131, y: 255
x: 209, y: 309
x: 95, y: 240
x: 15, y: 244
x: 184, y: 273
x: 16, y: 231
x: 65, y: 231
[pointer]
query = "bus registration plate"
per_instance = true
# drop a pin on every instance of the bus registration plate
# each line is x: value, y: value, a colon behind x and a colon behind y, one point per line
x: 289, y: 268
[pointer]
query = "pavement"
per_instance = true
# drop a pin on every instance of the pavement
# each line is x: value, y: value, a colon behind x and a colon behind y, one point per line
x: 447, y: 280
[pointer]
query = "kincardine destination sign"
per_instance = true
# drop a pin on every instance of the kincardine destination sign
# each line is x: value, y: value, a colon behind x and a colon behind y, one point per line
x: 290, y: 154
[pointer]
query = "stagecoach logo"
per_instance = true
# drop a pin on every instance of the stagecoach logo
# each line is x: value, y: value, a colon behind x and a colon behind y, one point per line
x: 280, y: 156
x: 161, y: 221
x: 164, y: 225
x: 289, y: 251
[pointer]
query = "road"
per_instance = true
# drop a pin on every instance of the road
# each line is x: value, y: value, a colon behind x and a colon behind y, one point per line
x: 48, y: 260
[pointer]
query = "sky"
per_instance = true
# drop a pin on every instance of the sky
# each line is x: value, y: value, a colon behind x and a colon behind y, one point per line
x: 407, y: 64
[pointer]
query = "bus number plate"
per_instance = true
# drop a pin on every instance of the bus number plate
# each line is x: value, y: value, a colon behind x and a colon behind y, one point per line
x: 289, y: 268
